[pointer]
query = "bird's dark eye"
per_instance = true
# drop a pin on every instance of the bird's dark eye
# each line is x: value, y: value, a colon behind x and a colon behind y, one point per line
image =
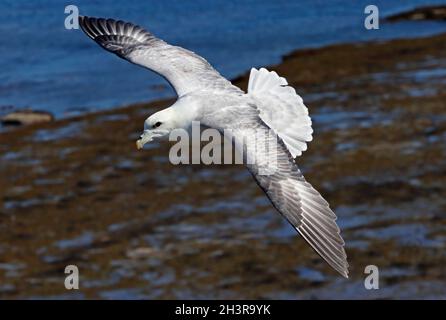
x: 156, y: 125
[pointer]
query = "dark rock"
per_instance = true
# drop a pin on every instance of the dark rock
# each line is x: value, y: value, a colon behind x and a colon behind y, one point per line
x: 424, y: 13
x: 25, y: 117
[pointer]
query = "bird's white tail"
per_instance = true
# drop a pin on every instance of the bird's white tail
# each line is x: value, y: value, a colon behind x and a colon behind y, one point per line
x: 282, y: 109
x: 263, y: 81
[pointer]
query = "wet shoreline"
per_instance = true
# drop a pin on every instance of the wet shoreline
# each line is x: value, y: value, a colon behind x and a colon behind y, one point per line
x: 76, y: 191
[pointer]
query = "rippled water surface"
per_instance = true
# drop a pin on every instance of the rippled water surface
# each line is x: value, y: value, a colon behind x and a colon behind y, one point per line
x: 66, y: 73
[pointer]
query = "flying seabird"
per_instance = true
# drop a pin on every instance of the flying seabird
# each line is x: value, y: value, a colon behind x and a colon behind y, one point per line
x: 270, y: 105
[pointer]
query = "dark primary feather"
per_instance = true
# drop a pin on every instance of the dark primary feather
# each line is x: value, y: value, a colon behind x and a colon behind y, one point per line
x: 115, y: 36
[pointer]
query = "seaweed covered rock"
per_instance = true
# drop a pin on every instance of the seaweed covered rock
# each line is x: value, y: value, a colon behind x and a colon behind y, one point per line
x: 26, y: 117
x: 423, y: 13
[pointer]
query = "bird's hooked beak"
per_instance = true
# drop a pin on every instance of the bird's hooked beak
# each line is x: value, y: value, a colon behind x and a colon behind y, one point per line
x: 146, y: 137
x: 150, y: 135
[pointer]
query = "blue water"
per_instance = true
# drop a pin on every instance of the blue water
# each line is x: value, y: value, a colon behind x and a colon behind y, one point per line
x: 44, y: 66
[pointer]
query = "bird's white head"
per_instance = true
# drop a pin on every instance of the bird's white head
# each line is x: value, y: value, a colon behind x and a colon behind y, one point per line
x: 158, y: 126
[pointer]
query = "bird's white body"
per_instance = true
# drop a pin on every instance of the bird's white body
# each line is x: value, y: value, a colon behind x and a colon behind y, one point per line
x: 270, y: 107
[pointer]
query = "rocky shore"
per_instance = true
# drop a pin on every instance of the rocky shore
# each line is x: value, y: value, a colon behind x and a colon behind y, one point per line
x: 25, y: 117
x: 424, y: 13
x: 76, y: 191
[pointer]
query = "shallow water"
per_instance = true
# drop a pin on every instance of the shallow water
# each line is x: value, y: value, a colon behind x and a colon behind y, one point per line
x: 47, y: 67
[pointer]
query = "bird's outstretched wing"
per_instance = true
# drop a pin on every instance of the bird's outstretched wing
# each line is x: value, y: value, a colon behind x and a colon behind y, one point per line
x: 185, y: 70
x: 277, y: 174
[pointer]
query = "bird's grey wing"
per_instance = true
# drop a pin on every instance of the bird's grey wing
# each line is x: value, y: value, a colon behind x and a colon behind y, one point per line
x: 277, y: 174
x: 183, y: 69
